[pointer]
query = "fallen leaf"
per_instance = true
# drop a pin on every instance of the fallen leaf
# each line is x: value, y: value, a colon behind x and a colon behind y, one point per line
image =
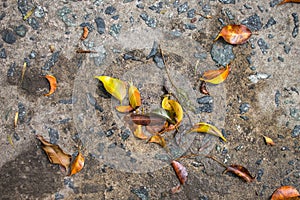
x: 77, y: 164
x: 240, y: 171
x: 235, y: 34
x: 139, y: 132
x: 165, y: 104
x: 285, y: 192
x: 160, y: 112
x: 289, y: 1
x: 9, y: 138
x: 29, y: 13
x: 216, y: 76
x: 177, y: 109
x: 16, y: 119
x: 55, y: 154
x: 134, y: 97
x: 158, y: 140
x: 269, y: 141
x: 181, y: 174
x: 85, y: 33
x: 203, y: 88
x: 207, y: 128
x: 124, y: 109
x: 145, y: 120
x: 115, y: 87
x: 53, y: 84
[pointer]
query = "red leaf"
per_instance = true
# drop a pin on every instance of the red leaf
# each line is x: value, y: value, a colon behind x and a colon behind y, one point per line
x: 181, y: 174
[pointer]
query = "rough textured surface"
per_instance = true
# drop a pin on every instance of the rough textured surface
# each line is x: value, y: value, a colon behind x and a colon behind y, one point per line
x: 259, y: 97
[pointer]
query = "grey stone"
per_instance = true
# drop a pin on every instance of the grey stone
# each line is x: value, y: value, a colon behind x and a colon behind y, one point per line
x: 3, y: 53
x: 100, y: 25
x: 222, y: 53
x: 183, y: 8
x: 296, y: 131
x: 110, y: 10
x: 9, y: 36
x: 21, y: 30
x: 51, y: 62
x: 253, y: 22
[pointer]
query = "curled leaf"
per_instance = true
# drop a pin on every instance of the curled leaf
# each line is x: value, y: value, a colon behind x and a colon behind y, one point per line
x: 139, y: 132
x: 124, y: 109
x: 53, y: 84
x: 203, y: 88
x: 77, y: 164
x: 55, y: 154
x: 241, y: 172
x: 207, y: 128
x: 269, y: 141
x: 216, y: 76
x: 289, y: 1
x: 165, y: 104
x: 16, y: 119
x: 181, y: 174
x: 158, y: 140
x: 85, y: 33
x: 115, y: 87
x: 146, y: 120
x: 134, y: 97
x: 29, y: 13
x: 177, y: 109
x: 235, y: 34
x: 285, y: 192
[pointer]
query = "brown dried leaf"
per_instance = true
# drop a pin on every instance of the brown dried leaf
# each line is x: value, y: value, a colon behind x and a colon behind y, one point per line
x: 181, y: 174
x: 289, y: 1
x: 77, y: 164
x: 203, y: 88
x: 55, y: 154
x: 85, y: 33
x: 285, y: 192
x: 235, y: 34
x: 241, y: 172
x: 216, y: 76
x: 53, y: 84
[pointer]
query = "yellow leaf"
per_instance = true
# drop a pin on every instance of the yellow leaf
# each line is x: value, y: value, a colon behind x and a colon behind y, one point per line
x: 124, y: 109
x: 134, y: 97
x: 165, y: 104
x: 216, y: 76
x: 177, y: 109
x: 55, y: 154
x: 115, y: 87
x: 269, y: 141
x: 53, y: 84
x: 158, y: 140
x: 207, y: 128
x: 139, y: 132
x: 235, y: 34
x: 77, y: 164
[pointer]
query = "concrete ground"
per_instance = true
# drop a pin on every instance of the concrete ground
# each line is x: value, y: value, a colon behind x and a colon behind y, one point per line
x: 259, y: 97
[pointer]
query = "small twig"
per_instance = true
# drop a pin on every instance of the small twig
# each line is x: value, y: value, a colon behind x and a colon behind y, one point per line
x: 215, y: 159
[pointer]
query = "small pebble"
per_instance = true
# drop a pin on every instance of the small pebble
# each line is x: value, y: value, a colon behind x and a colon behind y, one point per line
x: 58, y: 196
x: 159, y: 61
x: 151, y: 22
x: 277, y: 98
x: 141, y: 192
x: 205, y: 100
x: 191, y: 13
x: 16, y: 136
x: 247, y: 6
x: 260, y: 173
x: 53, y: 135
x: 284, y: 148
x: 51, y: 62
x: 32, y: 54
x: 2, y: 15
x: 273, y: 3
x: 295, y: 113
x: 116, y: 17
x: 223, y: 23
x: 3, y: 53
x: 64, y: 14
x: 12, y: 69
x: 229, y: 14
x: 127, y: 1
x: 244, y: 117
x: 34, y: 23
x: 258, y: 162
x: 110, y: 10
x: 239, y: 147
x: 291, y: 162
x: 140, y: 5
x: 203, y: 197
x: 22, y: 112
x: 88, y: 25
x: 207, y: 108
x: 296, y: 25
x: 153, y: 51
x: 100, y: 25
x: 115, y: 30
x: 263, y: 45
x: 296, y: 131
x: 222, y: 53
x: 9, y: 36
x: 227, y: 1
x: 39, y: 12
x: 125, y: 134
x: 183, y: 8
x: 190, y: 26
x: 258, y: 76
x: 244, y: 107
x: 270, y: 23
x: 281, y: 59
x: 253, y: 22
x: 109, y: 133
x: 287, y: 48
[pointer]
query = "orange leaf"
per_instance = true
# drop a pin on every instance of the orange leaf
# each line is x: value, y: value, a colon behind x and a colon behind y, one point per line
x: 85, y: 33
x: 55, y: 154
x: 134, y: 97
x: 235, y: 34
x: 77, y: 164
x: 241, y: 172
x: 139, y: 132
x: 289, y: 1
x: 53, y: 84
x: 216, y: 76
x: 285, y: 192
x: 158, y: 140
x: 269, y: 141
x: 124, y: 109
x: 181, y: 174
